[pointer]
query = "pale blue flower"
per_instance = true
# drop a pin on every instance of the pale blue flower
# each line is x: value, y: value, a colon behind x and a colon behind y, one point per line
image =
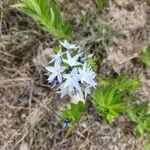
x: 87, y: 57
x: 65, y: 91
x: 87, y: 90
x: 72, y: 80
x: 87, y: 75
x: 72, y: 61
x: 65, y: 123
x: 56, y: 57
x: 79, y: 78
x: 68, y: 46
x: 55, y: 72
x: 90, y: 56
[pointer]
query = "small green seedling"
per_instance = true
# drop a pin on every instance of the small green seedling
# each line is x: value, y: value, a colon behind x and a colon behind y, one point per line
x: 145, y: 56
x: 139, y: 114
x: 109, y: 98
x: 101, y: 3
x: 72, y: 115
x: 108, y: 103
x: 46, y: 14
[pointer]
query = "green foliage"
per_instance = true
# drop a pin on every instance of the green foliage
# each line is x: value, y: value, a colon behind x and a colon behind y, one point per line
x: 46, y: 13
x: 147, y: 145
x: 92, y: 62
x: 109, y: 97
x: 108, y: 103
x: 102, y: 31
x: 101, y: 3
x: 138, y: 113
x: 123, y: 82
x: 56, y: 49
x: 145, y: 56
x: 73, y: 114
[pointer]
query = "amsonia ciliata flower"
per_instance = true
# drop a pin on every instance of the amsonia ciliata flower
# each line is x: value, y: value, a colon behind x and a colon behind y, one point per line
x: 87, y: 75
x: 55, y: 72
x: 72, y: 80
x: 72, y: 61
x: 56, y: 57
x: 70, y: 69
x: 68, y: 46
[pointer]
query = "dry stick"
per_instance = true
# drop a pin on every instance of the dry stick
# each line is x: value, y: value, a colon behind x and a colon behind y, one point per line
x: 86, y: 140
x: 5, y: 81
x: 44, y: 106
x: 65, y: 139
x: 30, y: 95
x: 7, y: 54
x: 25, y: 124
x: 3, y: 148
x: 5, y: 60
x: 14, y: 107
x: 20, y: 140
x: 10, y: 69
x: 53, y: 112
x: 30, y: 98
x: 1, y: 20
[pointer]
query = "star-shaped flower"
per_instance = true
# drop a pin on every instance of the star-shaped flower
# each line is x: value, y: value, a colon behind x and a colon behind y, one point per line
x: 68, y: 46
x: 87, y: 57
x: 87, y: 75
x: 87, y: 90
x: 72, y: 80
x: 65, y: 91
x: 55, y: 72
x: 56, y: 57
x: 72, y: 61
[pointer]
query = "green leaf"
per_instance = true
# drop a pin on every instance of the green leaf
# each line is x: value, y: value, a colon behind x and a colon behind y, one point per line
x: 47, y: 15
x: 108, y: 102
x: 138, y: 113
x: 110, y: 92
x: 92, y: 62
x: 145, y: 56
x: 110, y: 98
x: 36, y: 7
x: 118, y: 107
x: 73, y: 114
x: 147, y: 146
x: 139, y: 131
x: 101, y: 3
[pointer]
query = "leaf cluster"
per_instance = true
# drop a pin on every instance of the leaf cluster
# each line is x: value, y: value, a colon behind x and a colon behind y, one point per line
x: 109, y: 98
x: 73, y: 114
x: 138, y: 113
x: 145, y: 56
x: 92, y: 62
x: 147, y: 144
x: 101, y: 3
x: 46, y: 14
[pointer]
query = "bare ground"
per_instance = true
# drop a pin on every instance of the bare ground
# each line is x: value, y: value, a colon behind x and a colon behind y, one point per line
x: 29, y: 109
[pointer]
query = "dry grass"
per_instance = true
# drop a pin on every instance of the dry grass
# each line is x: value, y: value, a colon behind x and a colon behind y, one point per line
x: 29, y: 109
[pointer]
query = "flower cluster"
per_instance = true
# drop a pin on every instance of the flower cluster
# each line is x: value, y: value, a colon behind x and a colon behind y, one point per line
x: 70, y: 71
